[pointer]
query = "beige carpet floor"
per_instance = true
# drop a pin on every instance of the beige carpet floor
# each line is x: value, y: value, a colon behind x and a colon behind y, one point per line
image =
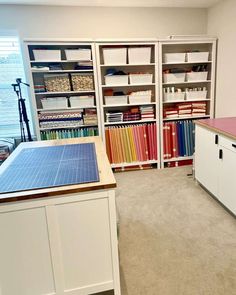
x: 174, y: 238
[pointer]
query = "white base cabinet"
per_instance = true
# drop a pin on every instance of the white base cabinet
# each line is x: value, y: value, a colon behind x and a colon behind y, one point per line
x: 215, y: 165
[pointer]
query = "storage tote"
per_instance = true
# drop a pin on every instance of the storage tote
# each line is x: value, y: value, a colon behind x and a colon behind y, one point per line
x: 140, y: 79
x: 139, y: 98
x: 174, y: 78
x: 57, y: 83
x: 54, y: 103
x: 175, y: 96
x: 174, y: 57
x: 82, y: 82
x: 78, y: 54
x: 190, y: 95
x: 47, y: 55
x: 116, y: 100
x: 115, y: 56
x: 139, y: 55
x: 197, y: 76
x: 197, y: 56
x: 116, y: 80
x: 82, y: 101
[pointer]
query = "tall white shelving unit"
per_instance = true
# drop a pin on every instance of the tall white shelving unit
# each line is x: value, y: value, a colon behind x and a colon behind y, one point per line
x: 185, y: 45
x: 150, y: 67
x: 67, y: 67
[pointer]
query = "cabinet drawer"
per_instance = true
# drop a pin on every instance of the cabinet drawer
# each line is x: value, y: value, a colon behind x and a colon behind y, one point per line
x: 227, y: 143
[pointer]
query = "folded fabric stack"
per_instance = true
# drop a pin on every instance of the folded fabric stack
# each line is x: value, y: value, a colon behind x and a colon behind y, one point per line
x: 199, y: 108
x: 147, y: 112
x: 90, y: 117
x: 39, y: 88
x: 115, y: 116
x: 84, y: 65
x: 132, y: 115
x: 170, y: 113
x: 60, y: 119
x: 184, y: 110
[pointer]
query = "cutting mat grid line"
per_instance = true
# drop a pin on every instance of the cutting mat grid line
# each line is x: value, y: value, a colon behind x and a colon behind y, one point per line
x: 53, y: 166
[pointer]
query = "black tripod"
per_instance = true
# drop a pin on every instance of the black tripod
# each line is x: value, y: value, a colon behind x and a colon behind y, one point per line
x: 22, y: 111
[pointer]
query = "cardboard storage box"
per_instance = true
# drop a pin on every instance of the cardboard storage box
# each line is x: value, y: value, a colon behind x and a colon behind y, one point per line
x: 82, y: 82
x: 57, y: 82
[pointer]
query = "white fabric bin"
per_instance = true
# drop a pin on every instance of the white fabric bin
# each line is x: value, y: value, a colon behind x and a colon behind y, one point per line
x: 82, y: 101
x: 114, y: 56
x: 140, y: 79
x: 196, y: 95
x: 116, y: 80
x: 116, y: 100
x: 54, y: 103
x: 137, y: 98
x: 197, y: 76
x: 139, y: 55
x: 46, y: 54
x: 174, y: 78
x: 174, y: 57
x: 78, y: 54
x: 174, y: 96
x: 197, y: 56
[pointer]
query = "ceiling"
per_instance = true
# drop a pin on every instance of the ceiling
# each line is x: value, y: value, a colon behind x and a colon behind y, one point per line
x: 119, y: 3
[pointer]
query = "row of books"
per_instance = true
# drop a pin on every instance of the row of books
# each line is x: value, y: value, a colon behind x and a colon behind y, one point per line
x: 178, y: 139
x: 185, y: 110
x: 133, y: 143
x: 70, y: 133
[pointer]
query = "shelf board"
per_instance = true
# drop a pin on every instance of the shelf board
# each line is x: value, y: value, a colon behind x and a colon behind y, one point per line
x: 65, y: 109
x: 58, y: 61
x: 64, y: 92
x: 66, y: 127
x: 130, y: 122
x: 123, y: 165
x: 127, y: 65
x: 186, y: 118
x: 128, y: 105
x: 187, y: 82
x: 189, y: 100
x: 128, y: 85
x: 178, y: 159
x: 59, y: 71
x: 186, y: 63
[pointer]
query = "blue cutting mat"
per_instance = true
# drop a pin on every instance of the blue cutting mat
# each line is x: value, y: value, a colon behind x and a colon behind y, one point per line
x: 45, y: 167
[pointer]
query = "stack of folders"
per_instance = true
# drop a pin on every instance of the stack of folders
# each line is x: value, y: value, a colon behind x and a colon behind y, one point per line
x: 178, y: 139
x: 133, y: 143
x: 147, y: 112
x: 114, y: 117
x: 68, y: 133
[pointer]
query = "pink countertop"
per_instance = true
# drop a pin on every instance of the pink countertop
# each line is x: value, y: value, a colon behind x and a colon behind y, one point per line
x: 225, y: 126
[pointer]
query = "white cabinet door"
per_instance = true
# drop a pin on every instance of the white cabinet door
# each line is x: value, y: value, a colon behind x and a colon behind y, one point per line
x: 227, y: 179
x: 206, y: 159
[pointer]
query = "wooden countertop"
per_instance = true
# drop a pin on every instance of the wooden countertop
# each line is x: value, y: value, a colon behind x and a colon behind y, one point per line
x: 224, y: 126
x: 106, y: 176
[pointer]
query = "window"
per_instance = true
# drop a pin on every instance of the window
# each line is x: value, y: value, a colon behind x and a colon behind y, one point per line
x: 11, y: 67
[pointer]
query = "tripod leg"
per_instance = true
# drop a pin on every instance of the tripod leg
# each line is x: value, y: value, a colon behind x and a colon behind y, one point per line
x: 25, y: 118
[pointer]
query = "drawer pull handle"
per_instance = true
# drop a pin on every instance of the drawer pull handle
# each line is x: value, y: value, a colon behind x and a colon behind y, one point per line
x: 220, y: 154
x: 234, y: 145
x: 216, y: 139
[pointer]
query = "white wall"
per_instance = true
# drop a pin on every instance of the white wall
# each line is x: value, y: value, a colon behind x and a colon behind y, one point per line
x: 222, y: 23
x: 95, y: 22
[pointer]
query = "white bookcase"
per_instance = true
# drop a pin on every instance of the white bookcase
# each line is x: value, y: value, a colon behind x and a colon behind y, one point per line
x: 191, y: 55
x: 66, y: 66
x: 127, y: 66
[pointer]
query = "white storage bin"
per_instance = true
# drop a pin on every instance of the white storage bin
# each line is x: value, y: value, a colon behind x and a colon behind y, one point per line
x: 197, y: 56
x: 174, y: 78
x: 78, y: 54
x: 174, y: 96
x: 174, y: 57
x: 197, y: 76
x: 140, y: 79
x: 139, y: 55
x: 46, y: 54
x: 116, y: 100
x: 135, y: 98
x: 116, y: 79
x: 196, y: 95
x: 54, y: 103
x: 114, y: 56
x: 82, y: 101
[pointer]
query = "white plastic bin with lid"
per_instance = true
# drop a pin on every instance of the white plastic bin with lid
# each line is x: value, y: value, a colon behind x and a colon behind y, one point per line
x: 47, y: 54
x: 197, y: 76
x: 172, y: 96
x: 115, y: 56
x: 174, y: 57
x: 81, y: 101
x: 140, y: 98
x: 197, y: 56
x: 140, y: 78
x: 116, y: 80
x: 54, y: 103
x: 116, y: 100
x: 139, y: 55
x: 196, y: 95
x: 174, y: 77
x: 78, y: 54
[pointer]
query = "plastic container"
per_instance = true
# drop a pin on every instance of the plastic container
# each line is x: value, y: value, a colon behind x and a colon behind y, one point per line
x: 82, y: 101
x: 140, y: 78
x: 197, y: 76
x: 78, y: 54
x: 57, y: 82
x: 114, y: 56
x: 174, y: 78
x: 47, y: 54
x: 174, y: 96
x: 54, y: 103
x: 139, y: 98
x: 174, y: 57
x: 197, y: 56
x: 139, y: 55
x: 82, y: 82
x: 117, y: 80
x: 196, y: 95
x: 116, y: 100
